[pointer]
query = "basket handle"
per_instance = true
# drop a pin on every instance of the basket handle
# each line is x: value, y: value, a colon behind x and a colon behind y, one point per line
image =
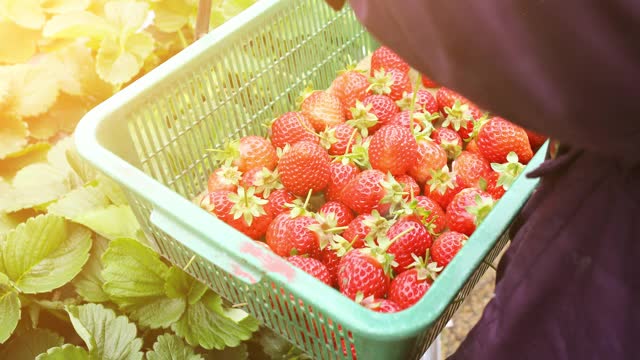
x: 228, y: 260
x: 202, y: 20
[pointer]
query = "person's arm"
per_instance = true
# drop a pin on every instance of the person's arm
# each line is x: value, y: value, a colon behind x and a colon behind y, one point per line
x: 569, y: 69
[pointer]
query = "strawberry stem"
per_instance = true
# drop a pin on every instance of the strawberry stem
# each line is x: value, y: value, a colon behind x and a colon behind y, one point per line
x: 413, y: 101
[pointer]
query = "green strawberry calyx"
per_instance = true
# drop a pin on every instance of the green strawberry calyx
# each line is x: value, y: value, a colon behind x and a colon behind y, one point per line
x: 359, y: 154
x: 369, y: 302
x: 229, y: 152
x: 362, y: 118
x: 406, y: 101
x: 351, y: 66
x: 425, y: 269
x: 394, y: 193
x: 458, y: 116
x: 326, y: 227
x: 378, y: 225
x: 328, y: 138
x: 508, y: 171
x: 411, y: 208
x: 229, y: 175
x: 477, y: 125
x: 451, y: 148
x: 482, y: 207
x: 247, y: 205
x: 300, y: 208
x: 381, y: 82
x: 340, y: 245
x: 380, y: 253
x: 441, y: 180
x: 267, y: 181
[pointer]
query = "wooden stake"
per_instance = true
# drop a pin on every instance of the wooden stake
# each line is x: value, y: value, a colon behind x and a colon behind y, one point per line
x: 202, y: 21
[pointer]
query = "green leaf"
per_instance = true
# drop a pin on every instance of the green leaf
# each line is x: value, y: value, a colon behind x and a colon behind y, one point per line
x: 44, y: 253
x: 30, y: 344
x: 64, y: 6
x: 80, y: 166
x: 171, y: 347
x: 209, y: 325
x: 113, y: 191
x: 77, y: 24
x: 65, y: 352
x: 112, y: 222
x: 117, y: 64
x: 7, y: 222
x: 135, y: 280
x: 88, y: 283
x: 106, y: 336
x: 79, y: 202
x: 9, y: 308
x: 181, y: 284
x: 34, y: 185
x: 126, y: 16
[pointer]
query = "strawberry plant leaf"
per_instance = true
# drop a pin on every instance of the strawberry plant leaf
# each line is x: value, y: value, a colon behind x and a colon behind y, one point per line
x: 118, y: 64
x: 26, y: 13
x: 88, y: 284
x: 78, y: 202
x: 44, y: 253
x: 65, y: 352
x: 64, y: 6
x: 34, y: 185
x: 113, y: 191
x: 106, y: 336
x: 13, y: 135
x: 9, y: 308
x: 209, y: 325
x: 77, y: 24
x: 181, y: 284
x: 135, y: 279
x: 112, y: 222
x: 21, y: 44
x: 29, y: 344
x: 171, y: 347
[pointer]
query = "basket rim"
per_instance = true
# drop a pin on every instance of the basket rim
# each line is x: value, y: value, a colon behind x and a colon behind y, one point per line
x: 325, y: 300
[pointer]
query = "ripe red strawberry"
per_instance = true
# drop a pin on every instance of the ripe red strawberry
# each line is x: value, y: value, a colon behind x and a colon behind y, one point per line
x: 323, y: 109
x: 472, y: 146
x: 290, y: 128
x: 442, y: 187
x: 277, y: 201
x: 410, y: 186
x: 498, y: 137
x: 304, y: 167
x: 363, y: 226
x: 362, y: 272
x: 312, y: 267
x: 288, y: 236
x: 385, y: 58
x: 340, y: 175
x: 430, y: 157
x: 339, y: 137
x: 224, y: 178
x: 446, y: 246
x: 503, y: 175
x: 427, y: 82
x: 393, y: 83
x: 363, y: 193
x: 249, y: 152
x: 264, y: 181
x: 380, y: 305
x: 447, y: 97
x: 342, y: 213
x: 332, y: 261
x: 449, y: 140
x: 424, y: 102
x: 428, y: 212
x: 408, y: 288
x: 242, y: 210
x: 469, y: 168
x: 461, y: 117
x: 468, y: 209
x: 349, y: 87
x: 535, y: 140
x: 383, y: 107
x: 393, y: 149
x: 409, y: 237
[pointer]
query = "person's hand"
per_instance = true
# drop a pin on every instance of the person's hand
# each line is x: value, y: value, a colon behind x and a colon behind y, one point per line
x: 336, y: 4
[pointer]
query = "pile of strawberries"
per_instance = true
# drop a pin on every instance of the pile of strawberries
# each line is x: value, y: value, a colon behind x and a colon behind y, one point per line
x: 373, y: 185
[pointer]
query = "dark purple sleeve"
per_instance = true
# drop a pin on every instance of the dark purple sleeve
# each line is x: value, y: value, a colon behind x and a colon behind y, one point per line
x: 569, y: 69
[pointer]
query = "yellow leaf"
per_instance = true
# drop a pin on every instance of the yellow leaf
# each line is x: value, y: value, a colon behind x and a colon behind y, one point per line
x: 30, y: 154
x: 64, y: 6
x: 63, y: 116
x: 118, y: 64
x: 18, y: 44
x: 77, y: 24
x: 172, y: 15
x: 80, y: 64
x: 34, y: 88
x: 126, y: 16
x: 13, y: 134
x: 26, y: 13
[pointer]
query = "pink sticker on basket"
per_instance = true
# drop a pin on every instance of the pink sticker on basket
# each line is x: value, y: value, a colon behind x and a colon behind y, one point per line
x: 270, y: 262
x: 237, y: 271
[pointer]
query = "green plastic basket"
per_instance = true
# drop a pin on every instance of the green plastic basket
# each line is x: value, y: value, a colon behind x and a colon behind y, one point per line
x: 152, y: 138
